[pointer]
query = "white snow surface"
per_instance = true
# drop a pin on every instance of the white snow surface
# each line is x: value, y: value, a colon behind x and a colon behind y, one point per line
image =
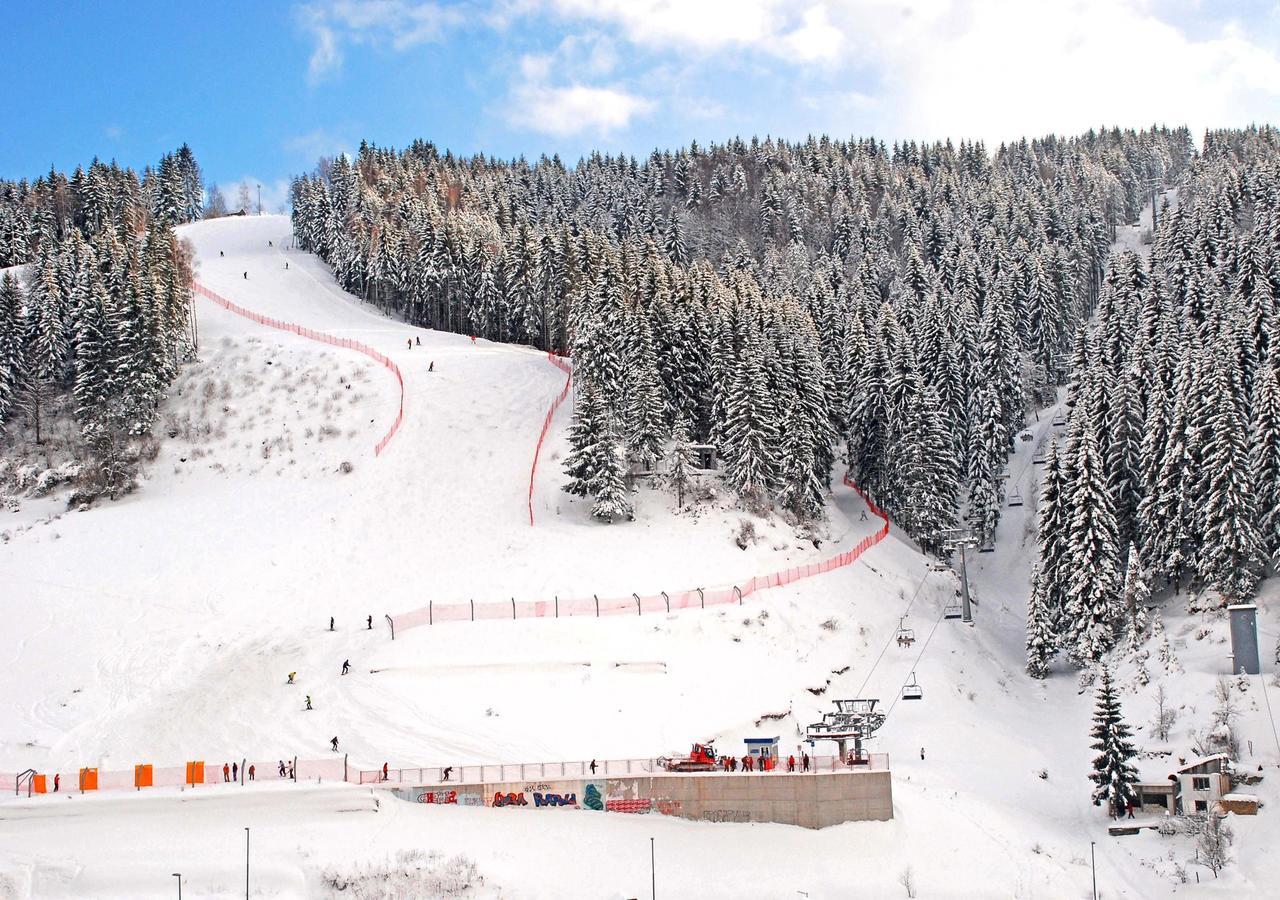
x: 160, y: 628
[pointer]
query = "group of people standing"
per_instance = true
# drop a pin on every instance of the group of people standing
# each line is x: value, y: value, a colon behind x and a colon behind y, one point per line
x: 764, y: 763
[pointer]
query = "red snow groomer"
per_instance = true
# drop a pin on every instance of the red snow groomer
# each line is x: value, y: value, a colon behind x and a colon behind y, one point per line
x: 702, y: 758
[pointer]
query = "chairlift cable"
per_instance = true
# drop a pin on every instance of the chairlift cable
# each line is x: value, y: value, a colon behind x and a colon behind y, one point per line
x: 887, y: 643
x: 914, y: 666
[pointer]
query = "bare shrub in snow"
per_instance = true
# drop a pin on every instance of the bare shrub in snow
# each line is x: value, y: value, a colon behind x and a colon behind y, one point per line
x: 829, y: 625
x: 1165, y: 716
x: 345, y: 467
x: 412, y: 874
x: 1213, y: 846
x: 746, y: 535
x: 907, y: 879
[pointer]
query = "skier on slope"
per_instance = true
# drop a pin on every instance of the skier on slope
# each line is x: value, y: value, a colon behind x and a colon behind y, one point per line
x: 282, y: 768
x: 370, y: 623
x: 246, y: 276
x: 292, y: 675
x: 417, y: 341
x: 334, y: 742
x: 346, y: 666
x: 308, y: 701
x: 331, y: 623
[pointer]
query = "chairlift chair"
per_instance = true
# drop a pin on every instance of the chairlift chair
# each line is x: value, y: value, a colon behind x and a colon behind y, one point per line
x: 1004, y: 474
x: 1015, y: 497
x: 1059, y: 420
x: 952, y: 611
x: 912, y: 689
x: 906, y: 636
x: 1039, y: 459
x: 988, y: 546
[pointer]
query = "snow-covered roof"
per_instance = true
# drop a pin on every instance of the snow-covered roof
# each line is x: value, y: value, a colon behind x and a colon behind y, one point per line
x: 1202, y: 761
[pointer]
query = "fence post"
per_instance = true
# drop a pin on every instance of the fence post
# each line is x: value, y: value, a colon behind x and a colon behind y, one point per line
x: 702, y: 599
x: 344, y: 768
x: 637, y: 596
x: 431, y: 614
x: 473, y: 609
x: 597, y: 597
x: 557, y: 606
x: 392, y: 623
x: 667, y: 599
x: 513, y: 609
x: 739, y: 593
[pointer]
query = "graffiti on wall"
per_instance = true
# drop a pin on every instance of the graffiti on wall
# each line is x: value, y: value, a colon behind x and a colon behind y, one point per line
x: 541, y: 799
x: 438, y: 797
x: 510, y: 799
x: 591, y: 797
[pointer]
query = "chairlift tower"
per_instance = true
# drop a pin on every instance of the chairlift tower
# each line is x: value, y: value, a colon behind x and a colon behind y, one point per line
x: 961, y: 539
x: 853, y: 719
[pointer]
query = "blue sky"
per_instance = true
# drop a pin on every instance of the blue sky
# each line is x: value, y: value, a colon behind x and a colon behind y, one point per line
x: 260, y: 89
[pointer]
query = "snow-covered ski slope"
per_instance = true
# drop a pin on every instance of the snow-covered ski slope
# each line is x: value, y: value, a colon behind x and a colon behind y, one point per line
x: 161, y: 628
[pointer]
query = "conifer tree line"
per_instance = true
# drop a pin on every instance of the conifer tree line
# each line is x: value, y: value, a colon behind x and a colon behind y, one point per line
x: 99, y: 319
x: 1168, y: 476
x: 781, y: 300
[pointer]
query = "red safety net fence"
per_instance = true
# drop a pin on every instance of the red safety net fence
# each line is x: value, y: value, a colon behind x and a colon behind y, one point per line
x: 663, y: 602
x: 202, y: 773
x: 562, y: 365
x: 322, y: 338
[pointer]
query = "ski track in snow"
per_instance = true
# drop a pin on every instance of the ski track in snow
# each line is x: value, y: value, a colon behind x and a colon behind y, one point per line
x: 161, y: 627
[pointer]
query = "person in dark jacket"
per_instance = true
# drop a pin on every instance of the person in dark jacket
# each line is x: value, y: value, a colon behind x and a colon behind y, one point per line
x: 346, y: 666
x: 334, y: 742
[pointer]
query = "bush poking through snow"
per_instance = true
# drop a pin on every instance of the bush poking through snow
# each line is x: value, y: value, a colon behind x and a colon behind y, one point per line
x: 746, y: 535
x: 413, y: 874
x: 345, y: 467
x: 907, y: 879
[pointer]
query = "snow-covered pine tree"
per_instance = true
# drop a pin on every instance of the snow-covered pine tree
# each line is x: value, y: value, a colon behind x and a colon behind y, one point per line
x: 588, y: 442
x: 1092, y: 557
x: 679, y: 471
x: 1114, y: 775
x: 11, y: 324
x: 1264, y: 460
x: 1137, y: 594
x: 751, y: 435
x: 1231, y: 552
x: 1042, y: 643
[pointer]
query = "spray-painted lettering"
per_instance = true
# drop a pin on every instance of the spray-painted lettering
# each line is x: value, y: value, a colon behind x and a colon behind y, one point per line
x: 540, y: 799
x: 501, y: 799
x: 438, y: 797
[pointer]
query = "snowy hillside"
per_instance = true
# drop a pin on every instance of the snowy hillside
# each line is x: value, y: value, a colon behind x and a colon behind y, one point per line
x: 171, y: 636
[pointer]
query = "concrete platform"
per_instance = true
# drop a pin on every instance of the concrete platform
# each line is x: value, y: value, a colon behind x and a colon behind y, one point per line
x: 811, y: 800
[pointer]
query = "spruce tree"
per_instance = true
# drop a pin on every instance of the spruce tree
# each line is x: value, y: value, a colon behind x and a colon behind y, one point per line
x: 1114, y: 775
x: 679, y: 472
x: 1093, y: 559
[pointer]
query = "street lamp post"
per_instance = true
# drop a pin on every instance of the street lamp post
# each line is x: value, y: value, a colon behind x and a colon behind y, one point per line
x: 653, y: 874
x: 178, y: 875
x: 1093, y: 866
x: 259, y: 199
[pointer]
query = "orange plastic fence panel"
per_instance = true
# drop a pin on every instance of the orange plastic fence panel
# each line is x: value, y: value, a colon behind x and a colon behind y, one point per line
x: 39, y: 784
x: 88, y: 779
x: 195, y: 773
x: 142, y: 775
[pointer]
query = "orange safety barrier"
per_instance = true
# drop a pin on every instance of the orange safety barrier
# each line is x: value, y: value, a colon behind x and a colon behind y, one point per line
x: 88, y: 779
x: 563, y: 366
x: 142, y: 776
x: 195, y: 773
x: 322, y: 338
x: 39, y: 784
x: 697, y: 598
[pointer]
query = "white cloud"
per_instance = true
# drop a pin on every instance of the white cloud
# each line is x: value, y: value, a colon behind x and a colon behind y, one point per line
x: 400, y: 24
x: 311, y: 146
x: 974, y: 68
x: 570, y: 109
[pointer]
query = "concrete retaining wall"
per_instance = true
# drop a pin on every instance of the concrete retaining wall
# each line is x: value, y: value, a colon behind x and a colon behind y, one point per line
x: 811, y: 800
